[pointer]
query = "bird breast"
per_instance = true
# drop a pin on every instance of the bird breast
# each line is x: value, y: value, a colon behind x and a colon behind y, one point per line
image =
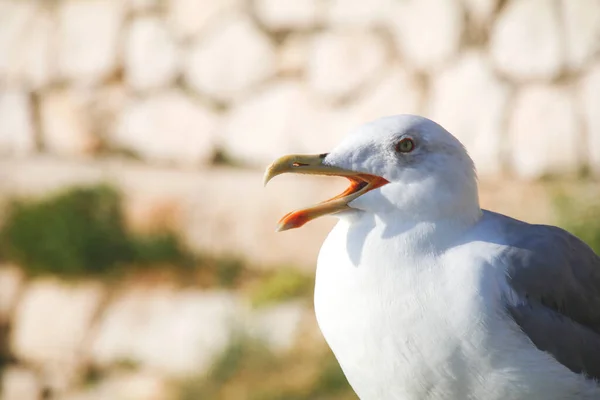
x: 417, y: 328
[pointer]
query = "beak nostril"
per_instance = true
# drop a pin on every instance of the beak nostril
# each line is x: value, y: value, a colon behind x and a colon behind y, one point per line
x: 299, y: 164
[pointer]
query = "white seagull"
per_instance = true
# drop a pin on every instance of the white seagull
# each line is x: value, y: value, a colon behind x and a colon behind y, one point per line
x: 421, y: 294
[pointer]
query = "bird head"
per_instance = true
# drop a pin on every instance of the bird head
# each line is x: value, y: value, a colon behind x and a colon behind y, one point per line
x: 404, y: 164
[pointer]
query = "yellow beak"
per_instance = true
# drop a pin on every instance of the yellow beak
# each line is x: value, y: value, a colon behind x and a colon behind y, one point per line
x: 360, y: 183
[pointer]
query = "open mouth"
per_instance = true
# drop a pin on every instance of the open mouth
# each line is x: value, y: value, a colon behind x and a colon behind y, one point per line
x: 360, y: 183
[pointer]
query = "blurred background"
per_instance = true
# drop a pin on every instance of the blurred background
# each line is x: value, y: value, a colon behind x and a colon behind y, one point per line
x: 138, y: 258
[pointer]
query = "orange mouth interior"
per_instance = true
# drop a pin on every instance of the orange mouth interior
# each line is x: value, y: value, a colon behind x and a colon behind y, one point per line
x: 358, y: 183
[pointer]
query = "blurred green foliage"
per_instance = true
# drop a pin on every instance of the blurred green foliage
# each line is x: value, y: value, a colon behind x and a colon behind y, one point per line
x: 580, y: 217
x: 283, y: 284
x: 228, y: 271
x: 247, y: 370
x: 80, y: 231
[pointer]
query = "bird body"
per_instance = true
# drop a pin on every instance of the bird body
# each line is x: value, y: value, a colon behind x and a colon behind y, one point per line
x: 411, y: 320
x: 423, y: 295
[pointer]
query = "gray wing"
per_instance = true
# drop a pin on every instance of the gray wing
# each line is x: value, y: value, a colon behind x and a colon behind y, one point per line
x: 558, y: 278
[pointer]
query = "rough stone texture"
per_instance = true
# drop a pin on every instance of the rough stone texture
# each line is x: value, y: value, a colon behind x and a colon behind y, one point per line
x: 481, y: 12
x: 11, y: 282
x: 89, y: 39
x: 64, y: 314
x: 590, y: 100
x: 189, y: 18
x: 358, y: 12
x: 144, y: 385
x: 278, y: 326
x: 20, y: 384
x: 282, y: 15
x: 428, y: 32
x: 341, y: 63
x: 16, y: 123
x: 286, y: 117
x: 168, y: 127
x: 582, y: 30
x: 230, y: 60
x: 151, y: 54
x: 26, y: 44
x: 67, y: 126
x: 469, y: 101
x: 525, y: 42
x: 175, y: 332
x: 544, y: 134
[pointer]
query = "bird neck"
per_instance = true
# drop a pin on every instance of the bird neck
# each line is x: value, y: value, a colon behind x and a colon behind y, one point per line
x: 431, y: 201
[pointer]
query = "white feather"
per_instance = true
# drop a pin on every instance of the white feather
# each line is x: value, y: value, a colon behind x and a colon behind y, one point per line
x: 409, y: 302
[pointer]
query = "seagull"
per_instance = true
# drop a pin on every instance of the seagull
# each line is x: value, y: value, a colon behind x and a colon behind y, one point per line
x: 422, y: 294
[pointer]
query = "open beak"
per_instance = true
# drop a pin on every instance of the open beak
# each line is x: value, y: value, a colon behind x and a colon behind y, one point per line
x: 360, y: 183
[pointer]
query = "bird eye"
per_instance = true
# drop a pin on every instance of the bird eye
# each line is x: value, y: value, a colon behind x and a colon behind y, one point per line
x: 405, y: 146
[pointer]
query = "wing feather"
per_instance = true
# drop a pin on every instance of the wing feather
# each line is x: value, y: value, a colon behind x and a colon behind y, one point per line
x: 557, y: 277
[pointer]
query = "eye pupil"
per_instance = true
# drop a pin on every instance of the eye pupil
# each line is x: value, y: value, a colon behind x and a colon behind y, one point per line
x: 405, y: 146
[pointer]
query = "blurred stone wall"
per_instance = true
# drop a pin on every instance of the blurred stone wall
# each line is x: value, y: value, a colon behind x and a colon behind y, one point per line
x: 139, y: 339
x: 155, y: 96
x: 151, y: 95
x: 176, y: 82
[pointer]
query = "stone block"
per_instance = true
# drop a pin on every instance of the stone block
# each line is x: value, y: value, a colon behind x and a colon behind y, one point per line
x: 178, y: 333
x: 19, y: 383
x: 67, y: 123
x: 544, y: 132
x: 190, y: 18
x: 283, y: 15
x: 27, y: 45
x: 134, y: 385
x: 230, y: 60
x: 582, y: 31
x: 50, y: 326
x: 472, y: 103
x: 525, y: 42
x: 17, y: 134
x: 88, y: 42
x: 151, y: 57
x: 168, y: 127
x: 342, y: 63
x: 359, y: 12
x: 427, y: 32
x: 283, y: 118
x: 278, y: 326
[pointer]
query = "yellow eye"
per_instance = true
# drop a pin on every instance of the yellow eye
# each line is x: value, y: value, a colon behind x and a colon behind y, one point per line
x: 405, y: 146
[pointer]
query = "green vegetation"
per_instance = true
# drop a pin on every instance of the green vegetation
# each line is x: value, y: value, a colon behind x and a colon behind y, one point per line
x: 228, y: 271
x: 582, y: 218
x: 283, y: 284
x: 248, y: 371
x: 80, y: 231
